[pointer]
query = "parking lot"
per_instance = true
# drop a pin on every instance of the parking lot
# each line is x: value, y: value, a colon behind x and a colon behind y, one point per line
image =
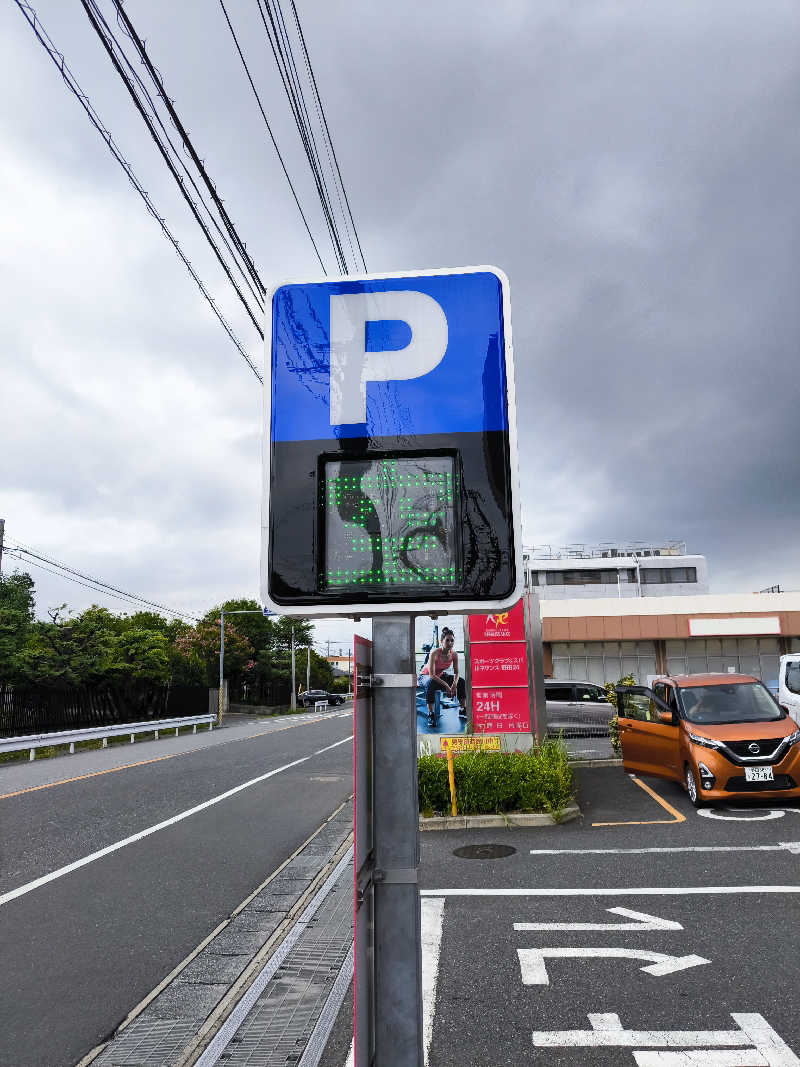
x: 645, y: 932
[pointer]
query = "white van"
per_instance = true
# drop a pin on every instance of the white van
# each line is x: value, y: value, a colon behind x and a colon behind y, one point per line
x: 789, y: 685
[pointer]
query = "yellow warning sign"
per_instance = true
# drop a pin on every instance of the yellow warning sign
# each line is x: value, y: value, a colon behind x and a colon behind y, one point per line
x: 470, y: 744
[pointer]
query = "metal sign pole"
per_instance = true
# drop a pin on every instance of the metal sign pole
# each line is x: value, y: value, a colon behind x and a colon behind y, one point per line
x: 398, y: 957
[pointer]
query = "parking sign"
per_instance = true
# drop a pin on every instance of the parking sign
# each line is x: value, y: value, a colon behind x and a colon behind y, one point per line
x: 390, y: 468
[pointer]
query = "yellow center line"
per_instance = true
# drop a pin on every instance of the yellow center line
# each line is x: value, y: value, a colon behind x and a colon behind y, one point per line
x: 676, y: 815
x: 155, y: 759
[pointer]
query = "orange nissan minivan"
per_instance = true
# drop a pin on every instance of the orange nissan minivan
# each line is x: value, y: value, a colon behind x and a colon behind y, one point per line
x: 722, y: 735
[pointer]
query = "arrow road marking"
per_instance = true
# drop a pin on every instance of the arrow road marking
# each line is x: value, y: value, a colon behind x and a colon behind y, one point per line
x: 642, y: 921
x: 757, y: 1044
x: 534, y: 972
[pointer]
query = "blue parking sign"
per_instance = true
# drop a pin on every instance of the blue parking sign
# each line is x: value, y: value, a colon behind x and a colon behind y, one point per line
x: 390, y: 465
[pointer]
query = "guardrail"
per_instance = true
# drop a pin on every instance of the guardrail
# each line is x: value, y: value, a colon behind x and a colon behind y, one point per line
x: 70, y: 737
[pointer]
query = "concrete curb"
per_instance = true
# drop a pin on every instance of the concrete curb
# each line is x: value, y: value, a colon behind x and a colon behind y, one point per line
x: 577, y: 764
x: 488, y: 822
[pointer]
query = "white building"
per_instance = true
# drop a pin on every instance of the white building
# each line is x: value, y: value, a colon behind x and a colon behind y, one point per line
x: 609, y: 570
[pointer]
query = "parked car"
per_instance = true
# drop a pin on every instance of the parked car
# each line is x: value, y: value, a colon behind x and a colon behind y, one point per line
x: 789, y: 685
x: 723, y: 736
x: 313, y: 696
x: 577, y: 708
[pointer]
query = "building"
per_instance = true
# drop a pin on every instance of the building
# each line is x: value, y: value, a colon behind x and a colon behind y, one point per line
x: 603, y: 639
x: 615, y: 570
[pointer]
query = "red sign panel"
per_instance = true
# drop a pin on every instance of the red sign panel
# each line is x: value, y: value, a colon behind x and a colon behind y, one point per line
x: 500, y: 710
x: 498, y: 664
x: 505, y: 626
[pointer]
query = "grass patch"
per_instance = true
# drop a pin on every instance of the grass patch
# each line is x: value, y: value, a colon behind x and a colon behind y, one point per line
x: 489, y: 783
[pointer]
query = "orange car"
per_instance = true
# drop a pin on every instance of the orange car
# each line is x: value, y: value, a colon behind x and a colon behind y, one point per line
x: 722, y: 735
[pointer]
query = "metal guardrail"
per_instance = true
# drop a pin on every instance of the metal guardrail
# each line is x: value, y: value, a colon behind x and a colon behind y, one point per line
x: 70, y: 737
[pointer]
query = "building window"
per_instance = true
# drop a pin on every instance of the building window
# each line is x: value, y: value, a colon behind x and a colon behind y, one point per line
x: 667, y: 575
x: 590, y: 577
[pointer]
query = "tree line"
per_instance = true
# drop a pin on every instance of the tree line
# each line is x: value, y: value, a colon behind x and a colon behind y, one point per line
x: 102, y: 649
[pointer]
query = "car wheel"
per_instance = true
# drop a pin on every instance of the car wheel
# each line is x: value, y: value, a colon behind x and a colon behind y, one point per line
x: 691, y: 788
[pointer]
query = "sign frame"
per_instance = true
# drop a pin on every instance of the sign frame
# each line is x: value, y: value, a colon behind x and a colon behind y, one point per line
x: 407, y: 607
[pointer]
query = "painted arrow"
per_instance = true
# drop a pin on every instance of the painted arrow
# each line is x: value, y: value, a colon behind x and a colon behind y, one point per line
x: 642, y: 921
x: 534, y: 972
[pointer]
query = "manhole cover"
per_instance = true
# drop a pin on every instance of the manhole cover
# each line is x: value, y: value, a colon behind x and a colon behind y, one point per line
x: 483, y: 852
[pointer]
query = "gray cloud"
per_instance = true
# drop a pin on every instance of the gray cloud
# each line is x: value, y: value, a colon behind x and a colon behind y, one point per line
x: 632, y: 168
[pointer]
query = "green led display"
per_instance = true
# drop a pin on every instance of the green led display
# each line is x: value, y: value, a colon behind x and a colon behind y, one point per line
x: 389, y: 523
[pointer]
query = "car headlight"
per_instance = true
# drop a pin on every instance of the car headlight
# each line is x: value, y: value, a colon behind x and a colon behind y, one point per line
x: 706, y: 742
x: 792, y: 739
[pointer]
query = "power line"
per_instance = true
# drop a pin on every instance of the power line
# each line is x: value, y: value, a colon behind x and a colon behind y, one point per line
x: 23, y: 556
x: 127, y: 26
x: 272, y: 136
x: 281, y: 50
x: 69, y: 79
x: 111, y: 46
x: 321, y: 113
x: 103, y: 585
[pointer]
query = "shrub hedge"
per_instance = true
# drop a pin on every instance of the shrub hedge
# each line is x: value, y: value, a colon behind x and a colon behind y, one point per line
x: 491, y: 782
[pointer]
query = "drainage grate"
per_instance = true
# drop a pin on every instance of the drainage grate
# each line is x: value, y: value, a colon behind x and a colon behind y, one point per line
x: 484, y: 852
x: 283, y: 1018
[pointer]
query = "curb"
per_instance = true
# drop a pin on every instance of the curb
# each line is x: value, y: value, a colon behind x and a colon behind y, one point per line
x: 488, y: 822
x: 577, y: 764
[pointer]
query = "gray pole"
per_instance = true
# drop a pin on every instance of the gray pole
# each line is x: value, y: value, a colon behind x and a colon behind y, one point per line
x: 220, y: 701
x: 2, y: 535
x: 308, y: 668
x: 398, y: 960
x: 294, y: 694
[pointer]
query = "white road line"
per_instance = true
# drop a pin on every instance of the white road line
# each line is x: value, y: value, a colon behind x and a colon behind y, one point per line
x: 789, y: 846
x: 432, y: 915
x: 70, y: 867
x: 623, y: 891
x: 641, y: 921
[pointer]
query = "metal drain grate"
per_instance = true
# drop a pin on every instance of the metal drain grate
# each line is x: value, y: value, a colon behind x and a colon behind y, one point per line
x: 282, y: 1020
x: 148, y: 1044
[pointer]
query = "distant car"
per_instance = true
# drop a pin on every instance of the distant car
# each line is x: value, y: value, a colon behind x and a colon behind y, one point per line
x: 313, y: 696
x: 577, y: 709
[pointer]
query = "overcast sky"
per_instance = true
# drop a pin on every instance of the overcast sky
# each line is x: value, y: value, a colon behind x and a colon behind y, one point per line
x: 633, y: 167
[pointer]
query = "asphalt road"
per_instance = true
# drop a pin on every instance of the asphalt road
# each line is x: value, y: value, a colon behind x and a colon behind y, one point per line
x: 699, y: 886
x: 82, y: 946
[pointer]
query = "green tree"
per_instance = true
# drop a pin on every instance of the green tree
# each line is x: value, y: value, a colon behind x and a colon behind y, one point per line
x: 16, y: 619
x: 198, y: 653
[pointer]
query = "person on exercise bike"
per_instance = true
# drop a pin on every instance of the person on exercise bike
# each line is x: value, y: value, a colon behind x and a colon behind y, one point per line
x: 444, y: 678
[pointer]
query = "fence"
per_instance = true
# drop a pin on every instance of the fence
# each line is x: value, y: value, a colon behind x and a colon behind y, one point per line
x: 28, y: 710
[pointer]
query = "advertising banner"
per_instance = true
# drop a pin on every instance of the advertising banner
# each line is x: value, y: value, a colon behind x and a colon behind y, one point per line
x: 499, y: 672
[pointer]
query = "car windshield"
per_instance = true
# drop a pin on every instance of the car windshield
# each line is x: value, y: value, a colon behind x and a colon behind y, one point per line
x: 735, y: 702
x: 793, y: 677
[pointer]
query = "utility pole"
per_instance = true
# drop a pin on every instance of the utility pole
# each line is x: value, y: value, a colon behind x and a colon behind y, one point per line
x: 348, y: 672
x: 294, y: 690
x: 308, y: 668
x: 220, y: 699
x: 2, y: 534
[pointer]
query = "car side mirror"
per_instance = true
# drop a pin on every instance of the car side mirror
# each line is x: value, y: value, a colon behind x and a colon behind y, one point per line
x: 667, y: 717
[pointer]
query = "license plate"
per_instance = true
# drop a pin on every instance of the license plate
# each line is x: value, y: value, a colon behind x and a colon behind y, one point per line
x: 758, y: 774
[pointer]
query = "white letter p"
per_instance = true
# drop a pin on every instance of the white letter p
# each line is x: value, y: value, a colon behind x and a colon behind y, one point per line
x: 352, y: 366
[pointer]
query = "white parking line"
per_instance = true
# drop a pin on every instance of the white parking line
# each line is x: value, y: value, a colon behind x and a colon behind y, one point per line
x: 70, y: 867
x: 789, y: 846
x: 622, y: 891
x: 432, y: 914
